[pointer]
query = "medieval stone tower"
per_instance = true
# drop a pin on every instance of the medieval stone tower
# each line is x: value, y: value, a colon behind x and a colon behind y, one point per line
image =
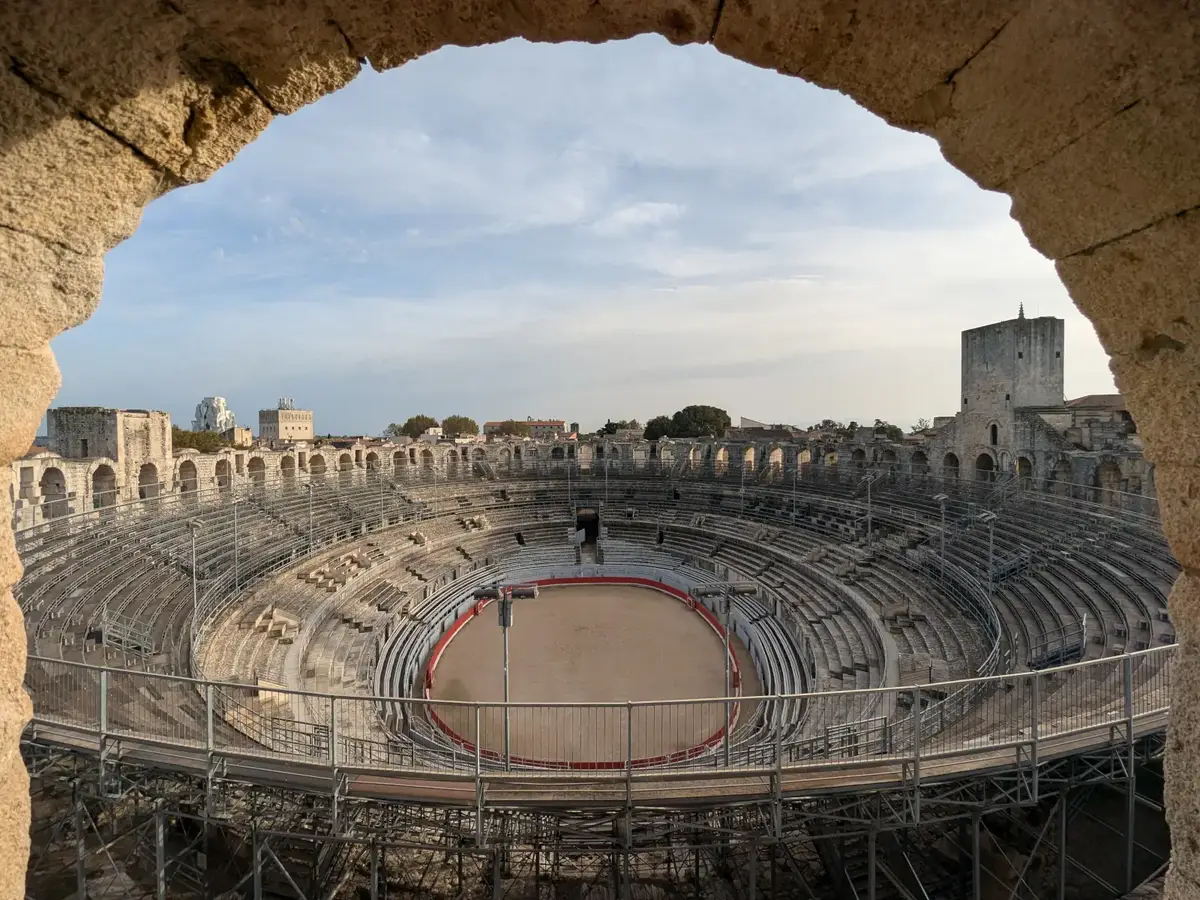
x: 1007, y: 366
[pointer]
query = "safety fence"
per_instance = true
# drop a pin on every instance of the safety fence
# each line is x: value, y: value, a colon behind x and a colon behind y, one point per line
x: 1054, y: 711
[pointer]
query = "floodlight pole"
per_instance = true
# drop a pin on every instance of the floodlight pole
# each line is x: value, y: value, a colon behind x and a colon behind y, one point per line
x: 728, y: 674
x: 194, y: 528
x: 795, y: 475
x: 606, y: 462
x: 742, y: 514
x: 505, y: 620
x: 870, y: 481
x: 941, y: 499
x: 236, y: 579
x: 991, y: 555
x: 309, y: 485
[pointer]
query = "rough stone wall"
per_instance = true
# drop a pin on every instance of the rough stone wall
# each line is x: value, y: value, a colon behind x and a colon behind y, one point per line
x: 1085, y: 112
x: 68, y: 427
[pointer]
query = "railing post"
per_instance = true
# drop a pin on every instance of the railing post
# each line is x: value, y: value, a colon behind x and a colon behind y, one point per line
x: 628, y: 752
x: 1035, y: 713
x: 916, y: 761
x: 209, y: 742
x: 1130, y: 770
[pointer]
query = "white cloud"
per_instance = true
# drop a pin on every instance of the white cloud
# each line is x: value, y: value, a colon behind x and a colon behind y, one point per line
x: 647, y: 225
x: 635, y: 216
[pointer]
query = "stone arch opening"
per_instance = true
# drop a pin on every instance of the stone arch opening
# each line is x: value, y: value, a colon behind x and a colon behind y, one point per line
x: 775, y: 458
x: 888, y: 458
x: 426, y: 458
x: 224, y: 475
x: 345, y: 469
x: 189, y: 481
x: 748, y: 457
x: 256, y: 468
x: 950, y: 465
x: 1061, y: 477
x: 399, y: 459
x: 287, y: 469
x: 372, y: 461
x: 985, y: 467
x: 859, y: 458
x: 451, y: 462
x: 1026, y: 102
x: 1024, y: 472
x: 919, y: 463
x: 148, y: 484
x: 53, y: 488
x: 557, y: 453
x: 316, y: 467
x: 480, y: 454
x: 104, y: 487
x: 1109, y: 482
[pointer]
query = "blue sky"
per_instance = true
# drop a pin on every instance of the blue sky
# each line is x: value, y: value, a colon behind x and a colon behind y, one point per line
x: 573, y: 231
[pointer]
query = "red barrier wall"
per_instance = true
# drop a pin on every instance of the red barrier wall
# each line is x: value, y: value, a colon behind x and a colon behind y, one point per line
x: 679, y: 756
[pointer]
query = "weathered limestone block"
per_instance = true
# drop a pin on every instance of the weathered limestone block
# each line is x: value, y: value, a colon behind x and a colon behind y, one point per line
x: 893, y: 58
x: 64, y: 179
x: 116, y: 63
x: 1140, y: 166
x: 391, y: 32
x: 291, y: 53
x: 47, y: 287
x: 1056, y: 72
x: 1140, y: 292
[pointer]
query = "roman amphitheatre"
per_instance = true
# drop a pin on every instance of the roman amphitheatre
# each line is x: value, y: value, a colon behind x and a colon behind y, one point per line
x: 332, y: 769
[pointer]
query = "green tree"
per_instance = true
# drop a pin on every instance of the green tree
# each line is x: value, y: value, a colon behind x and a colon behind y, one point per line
x: 513, y: 428
x: 658, y: 427
x: 699, y: 421
x: 204, y: 441
x: 459, y: 426
x: 418, y: 425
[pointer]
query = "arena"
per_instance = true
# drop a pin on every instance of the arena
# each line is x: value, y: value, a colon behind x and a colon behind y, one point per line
x: 923, y: 671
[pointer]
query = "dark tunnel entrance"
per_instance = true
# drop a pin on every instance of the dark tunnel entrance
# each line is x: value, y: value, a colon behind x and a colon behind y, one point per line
x: 587, y: 520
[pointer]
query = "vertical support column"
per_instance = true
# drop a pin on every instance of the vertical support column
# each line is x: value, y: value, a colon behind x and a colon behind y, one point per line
x: 80, y: 845
x: 1064, y: 805
x: 752, y: 893
x: 1034, y: 715
x: 160, y: 851
x: 256, y: 861
x: 103, y: 724
x: 871, y: 848
x: 976, y: 868
x: 1131, y: 771
x: 916, y: 760
x: 333, y: 764
x: 374, y: 887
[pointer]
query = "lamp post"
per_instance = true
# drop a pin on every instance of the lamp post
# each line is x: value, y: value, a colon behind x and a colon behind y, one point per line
x: 728, y: 673
x: 606, y: 462
x: 503, y: 595
x: 194, y: 528
x: 795, y: 475
x: 990, y: 518
x: 309, y: 485
x: 742, y: 512
x: 236, y: 577
x: 941, y: 499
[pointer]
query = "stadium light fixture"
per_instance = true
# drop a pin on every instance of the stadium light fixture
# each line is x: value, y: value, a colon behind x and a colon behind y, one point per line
x: 941, y: 501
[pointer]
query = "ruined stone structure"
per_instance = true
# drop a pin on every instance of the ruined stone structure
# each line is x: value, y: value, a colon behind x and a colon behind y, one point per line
x: 1014, y: 423
x: 1085, y: 112
x: 212, y: 414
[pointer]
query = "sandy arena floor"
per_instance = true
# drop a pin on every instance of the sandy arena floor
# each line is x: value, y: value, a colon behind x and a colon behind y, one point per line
x: 590, y: 644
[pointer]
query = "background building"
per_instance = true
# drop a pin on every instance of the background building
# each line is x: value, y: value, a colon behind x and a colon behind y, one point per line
x: 285, y: 423
x: 539, y: 429
x: 213, y: 414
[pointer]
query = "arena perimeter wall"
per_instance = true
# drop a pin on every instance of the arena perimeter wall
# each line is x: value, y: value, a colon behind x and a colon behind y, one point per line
x: 643, y: 762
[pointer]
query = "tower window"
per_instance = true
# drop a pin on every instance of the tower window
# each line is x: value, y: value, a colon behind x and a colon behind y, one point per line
x: 964, y: 401
x: 995, y: 435
x: 1020, y: 354
x: 1006, y: 397
x: 1058, y: 354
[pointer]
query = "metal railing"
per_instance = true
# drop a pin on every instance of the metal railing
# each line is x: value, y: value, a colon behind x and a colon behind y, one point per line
x: 996, y: 721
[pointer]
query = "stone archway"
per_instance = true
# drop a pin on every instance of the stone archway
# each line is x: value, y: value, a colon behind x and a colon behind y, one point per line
x: 104, y: 487
x: 1091, y: 130
x: 53, y: 489
x: 148, y: 483
x: 189, y: 481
